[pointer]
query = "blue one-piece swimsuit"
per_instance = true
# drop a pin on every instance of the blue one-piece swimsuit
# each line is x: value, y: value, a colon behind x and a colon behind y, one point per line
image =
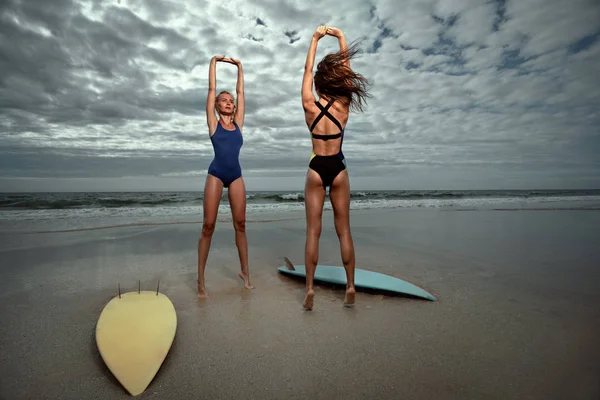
x: 226, y: 144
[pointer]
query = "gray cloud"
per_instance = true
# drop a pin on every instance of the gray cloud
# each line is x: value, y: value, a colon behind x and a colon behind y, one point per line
x: 465, y: 92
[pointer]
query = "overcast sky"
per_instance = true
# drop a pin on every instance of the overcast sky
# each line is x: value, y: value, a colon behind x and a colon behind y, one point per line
x: 473, y: 94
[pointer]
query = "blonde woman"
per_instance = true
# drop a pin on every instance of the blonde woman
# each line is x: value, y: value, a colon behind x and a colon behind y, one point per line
x: 225, y: 170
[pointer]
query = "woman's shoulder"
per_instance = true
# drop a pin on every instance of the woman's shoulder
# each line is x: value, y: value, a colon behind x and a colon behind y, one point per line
x: 340, y: 109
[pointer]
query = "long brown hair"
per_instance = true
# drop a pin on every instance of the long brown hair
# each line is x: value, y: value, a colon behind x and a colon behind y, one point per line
x: 336, y: 80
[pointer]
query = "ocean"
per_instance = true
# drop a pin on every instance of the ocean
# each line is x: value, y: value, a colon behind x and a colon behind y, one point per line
x: 70, y: 211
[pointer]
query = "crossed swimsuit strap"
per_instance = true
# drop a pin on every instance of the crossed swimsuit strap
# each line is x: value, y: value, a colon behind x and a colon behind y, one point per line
x: 324, y: 111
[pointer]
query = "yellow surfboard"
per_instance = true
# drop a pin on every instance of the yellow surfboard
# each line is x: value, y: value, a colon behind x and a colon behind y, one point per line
x: 134, y: 334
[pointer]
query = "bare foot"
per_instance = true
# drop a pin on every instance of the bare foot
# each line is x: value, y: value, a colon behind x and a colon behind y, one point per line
x: 202, y: 292
x: 350, y: 297
x: 246, y: 280
x: 308, y: 300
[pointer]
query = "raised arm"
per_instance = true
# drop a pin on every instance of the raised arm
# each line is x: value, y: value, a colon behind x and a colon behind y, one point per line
x: 307, y: 82
x: 239, y: 88
x: 341, y: 40
x: 211, y: 118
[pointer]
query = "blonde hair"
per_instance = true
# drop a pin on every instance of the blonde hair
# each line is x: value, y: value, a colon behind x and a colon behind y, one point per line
x: 234, y: 102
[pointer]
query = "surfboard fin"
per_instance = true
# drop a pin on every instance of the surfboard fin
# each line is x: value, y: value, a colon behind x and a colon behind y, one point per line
x: 119, y: 290
x: 139, y: 286
x: 157, y: 286
x: 289, y: 264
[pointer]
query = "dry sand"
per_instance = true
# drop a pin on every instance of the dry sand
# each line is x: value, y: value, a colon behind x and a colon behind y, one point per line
x: 517, y: 315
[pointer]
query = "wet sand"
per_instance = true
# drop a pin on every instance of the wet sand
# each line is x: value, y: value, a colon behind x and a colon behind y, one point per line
x: 517, y: 315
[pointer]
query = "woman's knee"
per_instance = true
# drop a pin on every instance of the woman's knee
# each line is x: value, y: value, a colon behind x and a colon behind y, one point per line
x: 239, y: 225
x: 314, y: 230
x: 342, y: 224
x: 208, y: 228
x: 343, y: 232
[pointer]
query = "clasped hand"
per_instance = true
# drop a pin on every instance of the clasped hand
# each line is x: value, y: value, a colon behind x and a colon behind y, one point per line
x: 327, y: 30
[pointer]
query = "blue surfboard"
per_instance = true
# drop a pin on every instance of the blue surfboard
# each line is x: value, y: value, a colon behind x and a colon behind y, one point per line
x: 362, y: 279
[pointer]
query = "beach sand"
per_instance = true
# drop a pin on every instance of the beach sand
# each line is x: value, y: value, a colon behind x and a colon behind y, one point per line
x: 517, y: 315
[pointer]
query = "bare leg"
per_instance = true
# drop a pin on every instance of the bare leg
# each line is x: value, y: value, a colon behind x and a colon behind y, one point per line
x: 314, y: 197
x: 237, y: 202
x: 340, y: 201
x: 213, y: 189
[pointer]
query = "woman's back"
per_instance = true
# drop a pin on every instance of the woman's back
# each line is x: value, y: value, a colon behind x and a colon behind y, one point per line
x: 326, y: 123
